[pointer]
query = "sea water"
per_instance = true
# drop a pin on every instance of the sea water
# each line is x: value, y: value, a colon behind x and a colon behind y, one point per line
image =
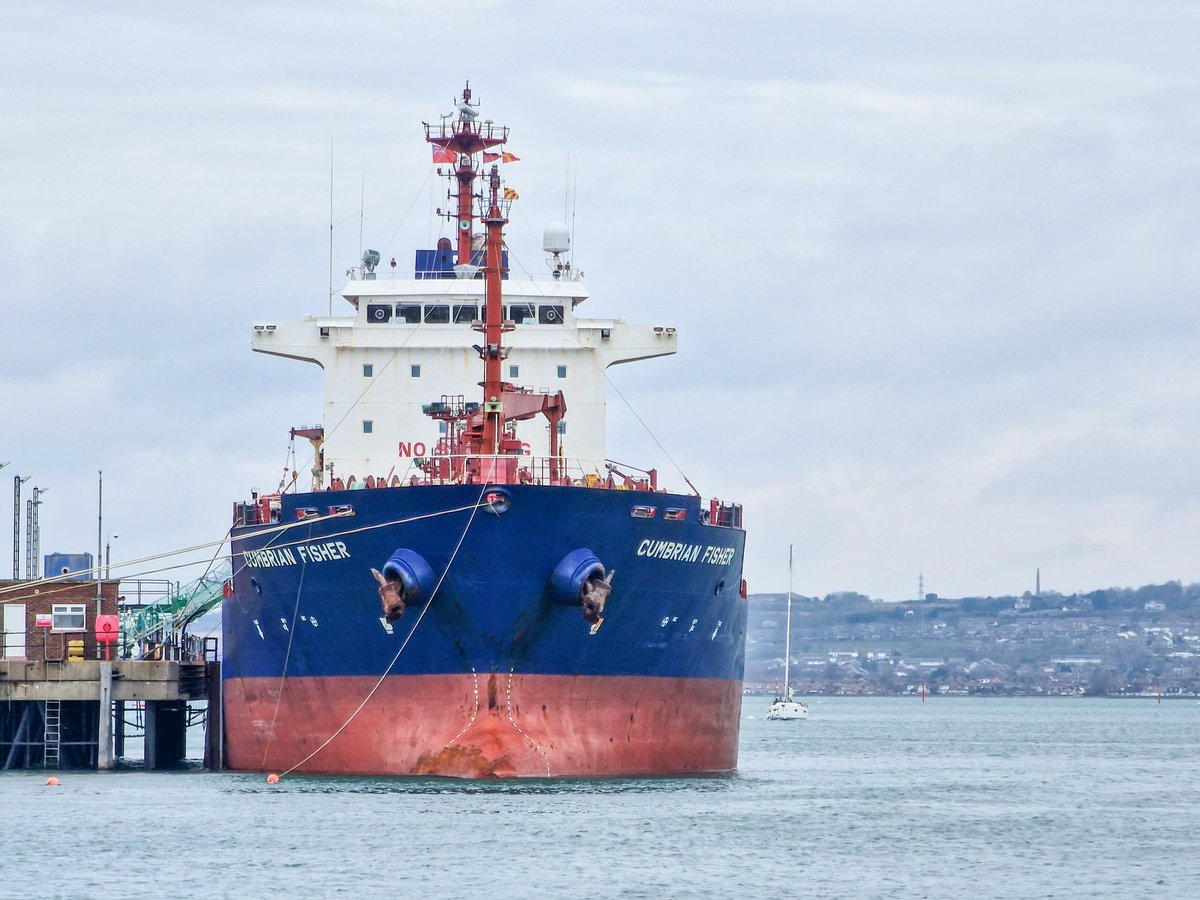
x: 867, y: 798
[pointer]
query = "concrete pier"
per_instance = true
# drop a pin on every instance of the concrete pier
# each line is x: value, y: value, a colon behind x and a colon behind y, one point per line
x: 104, y: 750
x: 61, y: 713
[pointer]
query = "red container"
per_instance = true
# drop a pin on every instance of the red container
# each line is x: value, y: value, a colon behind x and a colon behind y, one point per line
x: 107, y: 629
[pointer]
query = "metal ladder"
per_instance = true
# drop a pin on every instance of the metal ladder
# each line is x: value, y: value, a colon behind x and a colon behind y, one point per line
x: 51, y: 733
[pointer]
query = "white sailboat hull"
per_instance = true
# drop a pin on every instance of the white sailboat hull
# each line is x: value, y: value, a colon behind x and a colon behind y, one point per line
x: 782, y: 710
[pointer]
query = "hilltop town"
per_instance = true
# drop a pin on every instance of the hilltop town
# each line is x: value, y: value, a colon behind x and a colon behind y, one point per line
x: 1112, y: 642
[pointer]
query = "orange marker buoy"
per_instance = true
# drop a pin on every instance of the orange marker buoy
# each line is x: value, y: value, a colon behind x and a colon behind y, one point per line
x: 52, y: 781
x: 271, y: 779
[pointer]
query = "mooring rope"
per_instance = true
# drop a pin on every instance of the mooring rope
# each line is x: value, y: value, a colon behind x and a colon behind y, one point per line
x: 287, y: 656
x: 96, y: 570
x: 445, y: 571
x: 24, y: 587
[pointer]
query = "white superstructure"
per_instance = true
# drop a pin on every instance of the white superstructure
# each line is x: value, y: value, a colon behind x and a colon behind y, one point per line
x: 409, y: 343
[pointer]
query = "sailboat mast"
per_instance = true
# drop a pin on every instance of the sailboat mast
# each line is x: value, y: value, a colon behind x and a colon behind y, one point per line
x: 787, y: 640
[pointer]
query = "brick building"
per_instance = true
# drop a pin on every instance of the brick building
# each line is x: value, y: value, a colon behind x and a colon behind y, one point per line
x: 39, y: 618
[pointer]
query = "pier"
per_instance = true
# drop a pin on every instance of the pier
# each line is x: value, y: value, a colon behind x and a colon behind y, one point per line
x: 78, y: 714
x: 64, y: 705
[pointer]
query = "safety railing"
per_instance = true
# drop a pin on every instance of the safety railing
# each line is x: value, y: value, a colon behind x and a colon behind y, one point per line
x: 499, y: 470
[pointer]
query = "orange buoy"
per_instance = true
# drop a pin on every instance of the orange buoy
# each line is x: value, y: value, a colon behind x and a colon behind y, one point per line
x: 271, y: 779
x: 52, y: 781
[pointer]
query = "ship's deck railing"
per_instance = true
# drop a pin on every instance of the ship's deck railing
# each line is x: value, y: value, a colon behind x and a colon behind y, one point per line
x: 565, y: 471
x: 502, y: 469
x: 499, y: 470
x: 358, y: 273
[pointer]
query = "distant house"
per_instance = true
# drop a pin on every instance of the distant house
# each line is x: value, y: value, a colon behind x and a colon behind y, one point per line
x: 1077, y: 661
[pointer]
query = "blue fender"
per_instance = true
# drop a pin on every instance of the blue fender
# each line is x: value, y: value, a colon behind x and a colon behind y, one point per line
x: 566, y: 581
x: 410, y: 569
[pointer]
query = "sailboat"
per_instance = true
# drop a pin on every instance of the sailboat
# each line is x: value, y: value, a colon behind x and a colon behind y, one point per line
x: 788, y: 707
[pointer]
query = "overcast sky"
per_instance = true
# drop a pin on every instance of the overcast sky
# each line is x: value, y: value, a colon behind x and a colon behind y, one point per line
x: 934, y: 265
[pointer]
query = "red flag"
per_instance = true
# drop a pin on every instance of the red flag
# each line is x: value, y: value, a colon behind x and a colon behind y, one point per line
x: 490, y: 157
x: 443, y: 154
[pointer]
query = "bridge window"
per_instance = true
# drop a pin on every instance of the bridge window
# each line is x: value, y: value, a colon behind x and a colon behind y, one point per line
x: 562, y: 371
x: 550, y: 314
x: 519, y: 312
x: 513, y: 371
x: 409, y: 313
x: 368, y: 426
x: 368, y: 370
x: 465, y: 312
x: 437, y: 315
x: 416, y: 370
x: 379, y: 312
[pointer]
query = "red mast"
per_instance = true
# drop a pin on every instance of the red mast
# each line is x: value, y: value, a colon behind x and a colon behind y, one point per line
x: 457, y: 141
x: 493, y: 327
x: 492, y: 452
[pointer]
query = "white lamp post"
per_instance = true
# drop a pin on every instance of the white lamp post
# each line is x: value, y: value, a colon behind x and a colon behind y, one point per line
x: 110, y: 536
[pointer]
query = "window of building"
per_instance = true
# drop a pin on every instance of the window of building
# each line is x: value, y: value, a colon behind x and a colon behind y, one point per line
x: 368, y: 370
x: 416, y: 370
x: 562, y: 371
x: 368, y: 426
x: 68, y: 617
x: 465, y: 312
x: 437, y: 314
x: 550, y: 314
x: 409, y: 313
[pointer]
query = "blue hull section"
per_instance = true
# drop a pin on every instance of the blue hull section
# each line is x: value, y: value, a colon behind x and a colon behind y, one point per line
x: 304, y: 597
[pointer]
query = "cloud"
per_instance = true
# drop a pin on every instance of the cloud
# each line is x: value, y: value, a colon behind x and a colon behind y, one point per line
x: 932, y: 265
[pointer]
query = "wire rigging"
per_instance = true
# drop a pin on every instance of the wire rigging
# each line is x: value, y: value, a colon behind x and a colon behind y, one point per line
x: 474, y: 509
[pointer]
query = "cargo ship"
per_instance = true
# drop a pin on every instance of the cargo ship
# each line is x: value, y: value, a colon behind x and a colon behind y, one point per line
x: 468, y: 586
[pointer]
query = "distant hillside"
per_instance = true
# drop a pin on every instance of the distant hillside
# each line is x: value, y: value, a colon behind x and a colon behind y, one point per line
x: 1130, y: 636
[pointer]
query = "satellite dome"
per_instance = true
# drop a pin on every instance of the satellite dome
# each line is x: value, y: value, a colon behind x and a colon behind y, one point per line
x: 557, y: 238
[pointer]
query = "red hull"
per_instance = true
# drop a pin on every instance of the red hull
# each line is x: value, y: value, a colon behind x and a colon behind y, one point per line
x: 484, y: 726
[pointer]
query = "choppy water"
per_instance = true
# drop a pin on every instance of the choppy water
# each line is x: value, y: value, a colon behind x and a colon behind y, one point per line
x: 869, y: 797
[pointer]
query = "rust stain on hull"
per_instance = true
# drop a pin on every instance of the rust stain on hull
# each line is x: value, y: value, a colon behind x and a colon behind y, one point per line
x: 461, y: 761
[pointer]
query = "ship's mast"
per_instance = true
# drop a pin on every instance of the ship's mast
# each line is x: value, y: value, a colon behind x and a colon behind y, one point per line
x: 458, y: 141
x: 463, y: 141
x: 493, y: 350
x: 787, y: 640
